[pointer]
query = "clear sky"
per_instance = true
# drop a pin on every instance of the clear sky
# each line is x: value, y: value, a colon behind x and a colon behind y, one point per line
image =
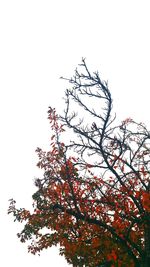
x: 39, y: 42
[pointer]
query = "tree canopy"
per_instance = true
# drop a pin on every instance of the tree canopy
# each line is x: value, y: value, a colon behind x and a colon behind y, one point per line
x: 93, y: 199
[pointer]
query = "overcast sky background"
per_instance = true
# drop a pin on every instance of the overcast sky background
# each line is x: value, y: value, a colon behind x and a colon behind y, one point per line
x: 39, y: 42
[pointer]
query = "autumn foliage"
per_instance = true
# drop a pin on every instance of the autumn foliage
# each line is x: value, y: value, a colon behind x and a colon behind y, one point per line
x: 94, y: 197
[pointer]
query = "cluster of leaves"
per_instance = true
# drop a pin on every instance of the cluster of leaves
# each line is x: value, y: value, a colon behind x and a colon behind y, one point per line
x: 94, y: 197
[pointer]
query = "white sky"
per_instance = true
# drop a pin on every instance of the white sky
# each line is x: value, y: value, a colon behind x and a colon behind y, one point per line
x: 39, y: 42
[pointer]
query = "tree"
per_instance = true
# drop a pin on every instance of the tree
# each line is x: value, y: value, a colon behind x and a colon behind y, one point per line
x: 94, y: 197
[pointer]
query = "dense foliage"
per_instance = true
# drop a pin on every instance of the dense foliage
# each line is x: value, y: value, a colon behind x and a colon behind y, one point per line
x: 94, y: 197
